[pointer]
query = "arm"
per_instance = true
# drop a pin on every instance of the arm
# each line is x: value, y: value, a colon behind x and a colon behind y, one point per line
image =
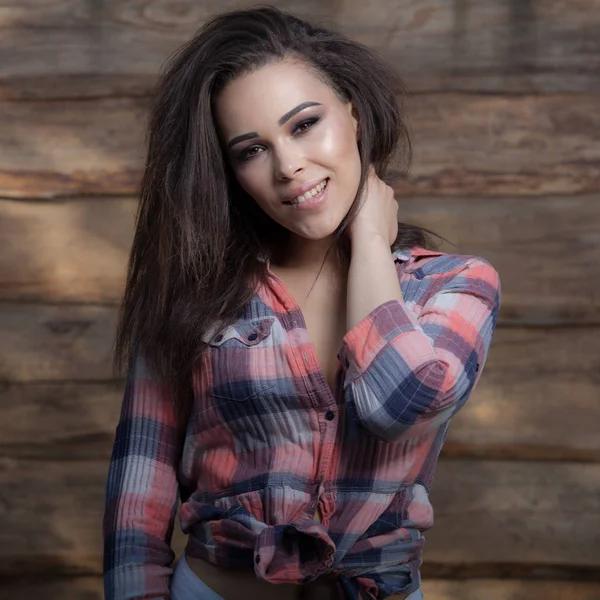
x: 406, y: 373
x: 141, y: 492
x: 372, y: 277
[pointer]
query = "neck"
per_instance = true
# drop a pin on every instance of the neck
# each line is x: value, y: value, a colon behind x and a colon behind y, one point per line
x: 307, y: 255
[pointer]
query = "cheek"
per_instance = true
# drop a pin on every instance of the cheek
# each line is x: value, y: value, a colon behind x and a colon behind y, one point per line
x: 339, y: 139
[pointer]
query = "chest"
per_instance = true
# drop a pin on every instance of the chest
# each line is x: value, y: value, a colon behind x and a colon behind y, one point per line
x: 326, y: 330
x: 324, y: 312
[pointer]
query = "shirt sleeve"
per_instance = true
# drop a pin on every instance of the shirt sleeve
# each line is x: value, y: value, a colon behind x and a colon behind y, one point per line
x: 409, y: 372
x: 141, y: 492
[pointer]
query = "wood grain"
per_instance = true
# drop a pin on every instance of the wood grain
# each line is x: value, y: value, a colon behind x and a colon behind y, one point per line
x: 545, y: 250
x: 50, y: 343
x: 90, y: 588
x: 491, y: 589
x: 501, y: 145
x: 80, y: 48
x: 60, y: 421
x: 59, y: 252
x: 62, y: 148
x: 537, y: 399
x: 57, y: 588
x: 70, y: 495
x: 507, y: 515
x: 464, y: 145
x: 515, y: 512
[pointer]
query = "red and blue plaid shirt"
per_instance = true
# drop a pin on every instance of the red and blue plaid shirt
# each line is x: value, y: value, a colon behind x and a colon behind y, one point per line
x: 269, y: 442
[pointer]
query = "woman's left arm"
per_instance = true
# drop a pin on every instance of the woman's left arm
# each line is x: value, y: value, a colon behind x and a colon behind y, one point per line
x: 410, y: 371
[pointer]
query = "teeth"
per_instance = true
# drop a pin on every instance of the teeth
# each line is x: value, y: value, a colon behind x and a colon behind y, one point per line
x: 310, y: 194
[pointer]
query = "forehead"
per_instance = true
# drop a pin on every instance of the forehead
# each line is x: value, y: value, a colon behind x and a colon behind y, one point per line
x: 263, y: 96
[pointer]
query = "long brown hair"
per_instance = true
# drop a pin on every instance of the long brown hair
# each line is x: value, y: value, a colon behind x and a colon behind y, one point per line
x: 199, y: 238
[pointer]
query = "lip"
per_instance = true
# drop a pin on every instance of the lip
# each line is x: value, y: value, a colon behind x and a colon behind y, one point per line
x: 309, y: 185
x: 312, y: 203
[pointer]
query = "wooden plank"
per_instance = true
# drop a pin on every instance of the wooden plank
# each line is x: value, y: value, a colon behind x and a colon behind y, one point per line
x: 55, y: 149
x: 518, y: 410
x: 70, y: 495
x: 57, y: 588
x: 90, y: 588
x: 506, y: 513
x: 60, y: 421
x: 465, y: 145
x: 503, y: 146
x: 492, y: 514
x: 520, y: 589
x: 52, y: 343
x: 65, y: 252
x: 493, y: 46
x: 545, y: 250
x: 64, y: 342
x: 537, y: 398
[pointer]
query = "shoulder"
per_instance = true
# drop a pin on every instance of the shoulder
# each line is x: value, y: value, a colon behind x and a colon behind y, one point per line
x: 443, y: 271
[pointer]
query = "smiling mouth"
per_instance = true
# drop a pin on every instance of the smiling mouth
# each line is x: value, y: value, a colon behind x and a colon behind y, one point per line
x: 316, y: 191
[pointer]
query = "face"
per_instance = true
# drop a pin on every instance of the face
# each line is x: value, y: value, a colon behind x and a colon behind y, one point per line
x: 286, y: 132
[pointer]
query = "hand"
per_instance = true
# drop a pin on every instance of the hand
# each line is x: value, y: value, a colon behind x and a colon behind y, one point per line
x: 378, y: 214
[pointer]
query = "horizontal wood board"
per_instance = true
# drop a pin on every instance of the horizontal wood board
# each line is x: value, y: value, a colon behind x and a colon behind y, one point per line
x: 81, y: 48
x: 90, y: 588
x: 537, y: 399
x: 503, y: 513
x: 545, y: 248
x: 464, y: 145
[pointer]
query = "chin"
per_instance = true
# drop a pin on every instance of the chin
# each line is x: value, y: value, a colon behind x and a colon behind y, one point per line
x: 316, y: 234
x: 321, y: 229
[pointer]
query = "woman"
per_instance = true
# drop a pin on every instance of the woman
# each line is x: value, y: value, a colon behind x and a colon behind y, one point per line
x: 294, y: 399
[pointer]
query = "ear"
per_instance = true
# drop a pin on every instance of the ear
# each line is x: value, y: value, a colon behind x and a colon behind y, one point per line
x: 354, y: 116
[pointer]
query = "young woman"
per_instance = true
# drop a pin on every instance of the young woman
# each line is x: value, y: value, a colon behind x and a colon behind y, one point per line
x: 294, y: 353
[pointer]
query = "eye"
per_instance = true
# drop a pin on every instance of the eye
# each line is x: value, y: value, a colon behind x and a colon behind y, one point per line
x: 304, y: 126
x: 249, y: 153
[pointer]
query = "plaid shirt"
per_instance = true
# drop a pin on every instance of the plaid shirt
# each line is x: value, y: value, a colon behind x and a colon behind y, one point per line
x: 269, y: 443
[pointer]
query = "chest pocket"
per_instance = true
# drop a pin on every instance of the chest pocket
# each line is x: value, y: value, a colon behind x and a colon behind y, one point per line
x: 238, y: 356
x: 243, y: 334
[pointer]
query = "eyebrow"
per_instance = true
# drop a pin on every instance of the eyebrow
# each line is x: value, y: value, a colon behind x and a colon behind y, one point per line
x: 288, y: 115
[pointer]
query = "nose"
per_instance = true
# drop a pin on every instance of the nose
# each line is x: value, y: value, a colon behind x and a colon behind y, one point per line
x: 289, y: 162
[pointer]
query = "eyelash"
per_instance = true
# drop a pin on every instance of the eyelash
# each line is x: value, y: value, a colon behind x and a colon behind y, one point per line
x: 244, y: 155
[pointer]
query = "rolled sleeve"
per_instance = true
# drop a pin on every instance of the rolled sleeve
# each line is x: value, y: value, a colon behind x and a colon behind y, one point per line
x: 409, y: 372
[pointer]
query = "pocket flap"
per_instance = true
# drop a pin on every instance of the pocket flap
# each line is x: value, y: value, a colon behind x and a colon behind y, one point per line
x: 249, y: 333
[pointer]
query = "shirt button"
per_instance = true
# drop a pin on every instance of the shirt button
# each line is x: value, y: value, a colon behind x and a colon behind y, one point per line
x: 218, y: 338
x: 477, y: 367
x: 253, y: 336
x: 305, y: 357
x: 330, y: 415
x: 257, y: 559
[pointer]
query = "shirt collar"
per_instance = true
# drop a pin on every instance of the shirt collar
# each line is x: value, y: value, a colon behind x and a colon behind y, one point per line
x: 402, y: 255
x: 405, y: 254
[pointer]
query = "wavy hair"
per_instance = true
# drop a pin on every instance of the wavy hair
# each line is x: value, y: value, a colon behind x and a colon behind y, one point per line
x: 200, y: 241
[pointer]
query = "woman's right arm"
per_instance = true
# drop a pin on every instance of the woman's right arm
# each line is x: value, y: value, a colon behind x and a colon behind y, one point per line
x: 141, y: 492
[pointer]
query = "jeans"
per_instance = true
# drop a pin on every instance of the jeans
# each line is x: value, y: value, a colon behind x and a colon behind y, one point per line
x: 185, y: 585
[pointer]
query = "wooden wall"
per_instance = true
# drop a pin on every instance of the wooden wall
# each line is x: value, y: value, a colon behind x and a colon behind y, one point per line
x: 505, y: 117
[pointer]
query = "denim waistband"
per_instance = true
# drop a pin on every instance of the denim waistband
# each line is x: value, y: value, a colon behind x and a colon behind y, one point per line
x: 185, y: 585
